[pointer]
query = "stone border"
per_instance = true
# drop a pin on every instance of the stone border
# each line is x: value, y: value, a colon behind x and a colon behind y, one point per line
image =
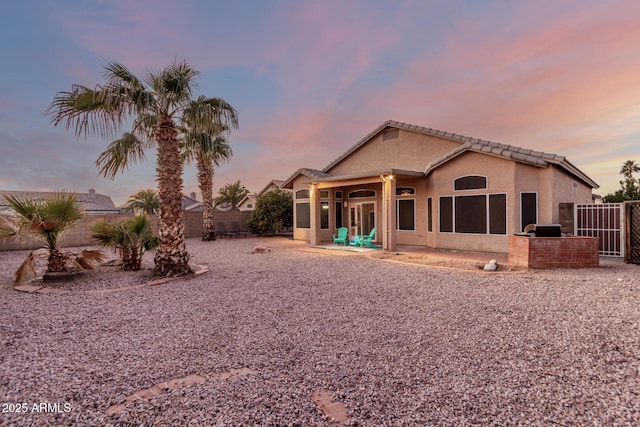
x: 35, y: 289
x: 174, y: 384
x: 333, y: 409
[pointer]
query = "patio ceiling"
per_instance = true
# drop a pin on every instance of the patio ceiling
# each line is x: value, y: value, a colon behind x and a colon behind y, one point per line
x: 367, y: 177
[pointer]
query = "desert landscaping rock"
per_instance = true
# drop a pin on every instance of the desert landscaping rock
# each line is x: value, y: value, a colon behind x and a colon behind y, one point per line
x: 394, y: 343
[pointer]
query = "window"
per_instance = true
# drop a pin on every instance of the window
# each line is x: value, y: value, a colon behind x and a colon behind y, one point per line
x: 338, y: 214
x: 471, y: 214
x: 338, y: 194
x: 446, y: 214
x: 362, y: 193
x: 497, y: 214
x: 528, y: 209
x: 324, y: 215
x: 405, y: 191
x: 470, y: 182
x: 391, y: 133
x: 429, y: 214
x: 405, y: 214
x: 303, y: 215
x: 324, y: 194
x: 480, y: 214
x: 249, y: 206
x: 302, y: 194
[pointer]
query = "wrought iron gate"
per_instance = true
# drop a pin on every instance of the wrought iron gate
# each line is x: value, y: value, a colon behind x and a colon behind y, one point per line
x: 633, y: 232
x: 605, y: 221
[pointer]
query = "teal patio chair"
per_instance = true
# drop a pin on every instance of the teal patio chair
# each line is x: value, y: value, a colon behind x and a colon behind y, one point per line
x: 341, y: 237
x: 366, y: 240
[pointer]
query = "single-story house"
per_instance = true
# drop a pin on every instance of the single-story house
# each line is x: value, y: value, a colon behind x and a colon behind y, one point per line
x: 92, y: 202
x: 248, y: 202
x: 426, y: 187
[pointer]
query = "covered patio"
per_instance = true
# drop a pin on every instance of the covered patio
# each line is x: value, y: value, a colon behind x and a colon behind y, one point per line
x: 363, y: 201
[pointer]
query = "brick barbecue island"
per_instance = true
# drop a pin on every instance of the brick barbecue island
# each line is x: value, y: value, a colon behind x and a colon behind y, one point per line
x: 554, y: 252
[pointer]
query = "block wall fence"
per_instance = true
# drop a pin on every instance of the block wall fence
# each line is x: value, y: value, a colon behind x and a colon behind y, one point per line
x: 80, y: 235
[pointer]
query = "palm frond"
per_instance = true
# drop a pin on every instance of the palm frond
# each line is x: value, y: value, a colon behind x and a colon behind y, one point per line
x: 205, y: 114
x: 7, y: 228
x: 173, y: 87
x: 86, y: 110
x: 88, y: 259
x: 27, y: 270
x: 120, y: 154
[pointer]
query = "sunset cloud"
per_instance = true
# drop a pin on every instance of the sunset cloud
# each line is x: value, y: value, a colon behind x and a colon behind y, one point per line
x: 311, y: 78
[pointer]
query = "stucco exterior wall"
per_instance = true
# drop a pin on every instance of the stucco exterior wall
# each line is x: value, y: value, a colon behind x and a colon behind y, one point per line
x: 410, y: 151
x: 500, y: 180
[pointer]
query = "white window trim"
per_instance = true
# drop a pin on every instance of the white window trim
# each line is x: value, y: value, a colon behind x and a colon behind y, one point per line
x: 537, y: 208
x: 488, y: 212
x: 398, y: 213
x: 453, y: 183
x: 375, y: 194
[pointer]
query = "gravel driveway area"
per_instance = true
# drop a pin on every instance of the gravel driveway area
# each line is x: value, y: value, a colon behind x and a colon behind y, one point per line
x: 394, y: 344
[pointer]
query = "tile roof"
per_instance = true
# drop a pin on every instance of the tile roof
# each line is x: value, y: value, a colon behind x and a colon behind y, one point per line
x: 399, y: 125
x: 518, y: 154
x: 91, y: 201
x: 511, y: 152
x: 311, y: 173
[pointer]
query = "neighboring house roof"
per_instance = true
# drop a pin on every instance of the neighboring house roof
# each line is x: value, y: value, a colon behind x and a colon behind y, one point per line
x: 190, y: 203
x: 310, y: 173
x: 91, y: 201
x: 510, y: 152
x: 273, y: 182
x: 251, y: 197
x: 518, y: 154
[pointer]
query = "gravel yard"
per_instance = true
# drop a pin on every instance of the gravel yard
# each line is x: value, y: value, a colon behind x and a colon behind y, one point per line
x: 397, y: 344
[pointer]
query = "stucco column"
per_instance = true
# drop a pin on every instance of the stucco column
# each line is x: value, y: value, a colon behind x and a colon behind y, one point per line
x: 314, y: 212
x: 385, y: 215
x: 392, y: 243
x: 389, y: 214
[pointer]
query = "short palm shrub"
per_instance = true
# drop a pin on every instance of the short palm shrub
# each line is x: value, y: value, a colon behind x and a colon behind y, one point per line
x: 46, y: 220
x: 131, y: 238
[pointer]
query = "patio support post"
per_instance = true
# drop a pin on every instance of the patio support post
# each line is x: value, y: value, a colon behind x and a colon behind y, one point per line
x: 314, y: 206
x: 389, y: 213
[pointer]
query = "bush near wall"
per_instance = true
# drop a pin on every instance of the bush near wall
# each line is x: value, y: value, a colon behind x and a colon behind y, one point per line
x: 80, y: 235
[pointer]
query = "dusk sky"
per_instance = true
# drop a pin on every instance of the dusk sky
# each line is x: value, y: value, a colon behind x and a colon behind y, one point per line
x: 311, y: 78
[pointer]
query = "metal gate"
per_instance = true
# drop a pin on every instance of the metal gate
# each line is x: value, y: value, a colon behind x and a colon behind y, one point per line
x: 633, y: 232
x: 605, y: 221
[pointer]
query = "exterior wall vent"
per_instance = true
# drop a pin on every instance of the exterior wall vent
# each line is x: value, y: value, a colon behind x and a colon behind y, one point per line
x: 391, y: 133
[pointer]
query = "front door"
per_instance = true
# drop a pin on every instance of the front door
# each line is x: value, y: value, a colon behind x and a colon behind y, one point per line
x: 362, y: 218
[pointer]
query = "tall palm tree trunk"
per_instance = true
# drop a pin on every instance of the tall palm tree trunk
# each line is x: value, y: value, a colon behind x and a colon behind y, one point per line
x: 171, y: 257
x: 205, y: 181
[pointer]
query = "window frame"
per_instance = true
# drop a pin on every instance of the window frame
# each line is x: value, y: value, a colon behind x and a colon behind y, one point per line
x: 325, y: 212
x: 522, y: 225
x: 413, y: 203
x: 298, y: 204
x: 375, y: 194
x: 487, y: 196
x: 486, y: 183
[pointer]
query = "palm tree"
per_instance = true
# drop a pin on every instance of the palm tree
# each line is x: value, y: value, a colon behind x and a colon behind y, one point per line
x: 232, y: 194
x: 47, y: 220
x: 208, y: 149
x: 628, y: 169
x: 154, y: 104
x: 144, y: 201
x: 132, y: 237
